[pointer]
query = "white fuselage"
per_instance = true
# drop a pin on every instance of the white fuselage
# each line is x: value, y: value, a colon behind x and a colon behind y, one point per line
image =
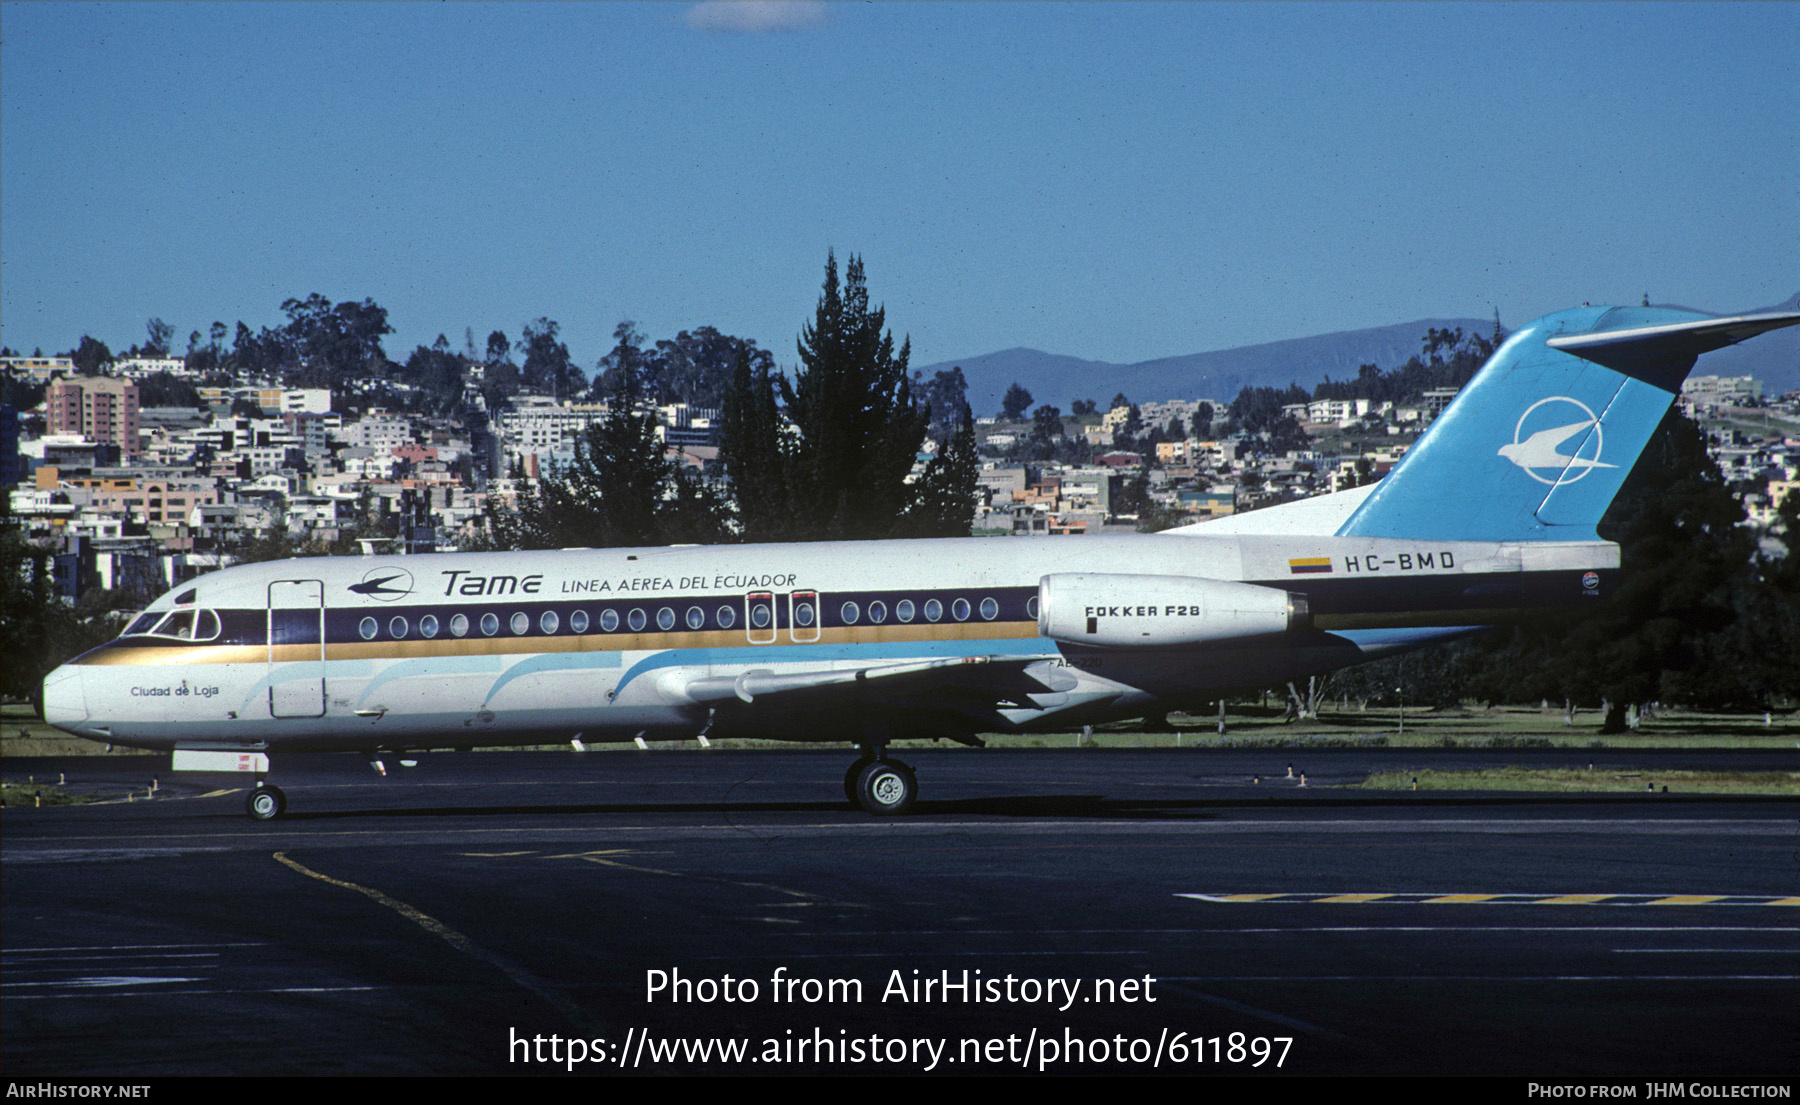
x: 455, y: 650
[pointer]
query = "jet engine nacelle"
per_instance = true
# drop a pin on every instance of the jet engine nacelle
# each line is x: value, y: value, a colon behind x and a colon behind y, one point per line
x: 1144, y: 611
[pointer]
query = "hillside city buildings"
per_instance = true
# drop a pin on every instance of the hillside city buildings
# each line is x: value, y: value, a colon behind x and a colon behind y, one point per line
x: 122, y: 496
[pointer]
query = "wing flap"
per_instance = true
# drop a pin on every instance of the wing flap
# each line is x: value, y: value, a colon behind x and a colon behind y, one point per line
x: 998, y: 678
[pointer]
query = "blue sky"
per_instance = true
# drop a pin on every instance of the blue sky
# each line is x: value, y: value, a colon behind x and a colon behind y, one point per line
x: 1114, y: 181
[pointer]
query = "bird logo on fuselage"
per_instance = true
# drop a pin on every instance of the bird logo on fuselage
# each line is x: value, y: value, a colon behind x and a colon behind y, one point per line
x: 386, y: 584
x: 1537, y: 451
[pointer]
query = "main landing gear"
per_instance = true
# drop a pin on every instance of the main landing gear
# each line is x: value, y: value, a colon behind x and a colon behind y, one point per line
x: 880, y: 785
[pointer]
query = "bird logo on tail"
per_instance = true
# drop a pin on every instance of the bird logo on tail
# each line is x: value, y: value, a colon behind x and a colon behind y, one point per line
x: 1538, y: 452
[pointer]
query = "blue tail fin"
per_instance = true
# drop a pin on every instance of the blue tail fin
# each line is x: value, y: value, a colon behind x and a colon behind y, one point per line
x: 1538, y: 443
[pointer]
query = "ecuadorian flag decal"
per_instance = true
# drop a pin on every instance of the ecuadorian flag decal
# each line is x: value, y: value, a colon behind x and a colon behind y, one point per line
x: 1309, y: 565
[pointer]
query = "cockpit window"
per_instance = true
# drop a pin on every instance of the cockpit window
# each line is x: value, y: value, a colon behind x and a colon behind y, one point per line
x: 181, y: 625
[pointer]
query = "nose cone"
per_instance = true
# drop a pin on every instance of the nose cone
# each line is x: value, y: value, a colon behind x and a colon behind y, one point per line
x: 65, y: 701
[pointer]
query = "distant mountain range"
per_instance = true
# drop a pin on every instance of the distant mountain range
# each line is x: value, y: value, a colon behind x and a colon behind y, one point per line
x: 1058, y: 379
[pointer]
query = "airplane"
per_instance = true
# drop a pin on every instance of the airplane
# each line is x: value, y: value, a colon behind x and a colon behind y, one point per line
x: 868, y: 642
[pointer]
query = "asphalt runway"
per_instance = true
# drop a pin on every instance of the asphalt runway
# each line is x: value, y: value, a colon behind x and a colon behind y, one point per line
x: 1092, y: 911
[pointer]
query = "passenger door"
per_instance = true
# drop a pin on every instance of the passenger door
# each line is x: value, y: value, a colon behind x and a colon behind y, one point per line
x: 297, y: 648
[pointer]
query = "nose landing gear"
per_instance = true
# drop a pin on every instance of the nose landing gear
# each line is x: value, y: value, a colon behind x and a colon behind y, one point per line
x: 266, y: 802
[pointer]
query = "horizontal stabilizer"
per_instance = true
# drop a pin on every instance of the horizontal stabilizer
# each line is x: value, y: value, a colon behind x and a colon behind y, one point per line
x: 1662, y: 355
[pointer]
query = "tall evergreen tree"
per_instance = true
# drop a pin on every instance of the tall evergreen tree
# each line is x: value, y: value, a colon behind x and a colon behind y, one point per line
x: 944, y: 494
x: 750, y: 448
x: 857, y: 429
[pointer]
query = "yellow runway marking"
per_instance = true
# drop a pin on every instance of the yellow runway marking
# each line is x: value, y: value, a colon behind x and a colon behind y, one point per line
x: 703, y: 878
x: 449, y: 936
x: 1511, y: 898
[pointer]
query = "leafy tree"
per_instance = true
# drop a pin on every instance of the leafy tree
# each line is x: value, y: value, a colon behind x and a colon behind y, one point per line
x: 1133, y: 498
x: 1015, y: 402
x: 1158, y: 518
x: 1203, y: 416
x: 1446, y: 359
x: 159, y: 389
x: 695, y: 367
x: 621, y: 489
x: 500, y: 376
x: 1083, y: 408
x: 1118, y: 401
x: 161, y: 334
x: 20, y: 394
x: 90, y: 356
x: 857, y: 430
x: 327, y: 346
x: 438, y: 372
x: 945, y: 397
x: 548, y: 366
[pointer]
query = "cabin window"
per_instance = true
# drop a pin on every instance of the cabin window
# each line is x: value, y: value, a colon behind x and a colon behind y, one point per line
x: 960, y: 610
x: 428, y: 626
x: 696, y: 617
x: 578, y: 622
x: 933, y: 610
x: 368, y: 627
x: 877, y: 612
x: 490, y: 624
x: 759, y: 616
x: 803, y: 613
x: 397, y: 627
x: 636, y: 620
x: 990, y: 609
x: 459, y: 625
x: 727, y: 617
x: 549, y: 622
x: 904, y: 610
x: 521, y: 624
x: 849, y: 613
x: 665, y: 619
x: 609, y: 620
x: 142, y: 624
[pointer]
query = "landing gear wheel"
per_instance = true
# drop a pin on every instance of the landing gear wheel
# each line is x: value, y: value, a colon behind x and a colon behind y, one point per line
x: 850, y: 777
x: 886, y: 787
x: 266, y: 802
